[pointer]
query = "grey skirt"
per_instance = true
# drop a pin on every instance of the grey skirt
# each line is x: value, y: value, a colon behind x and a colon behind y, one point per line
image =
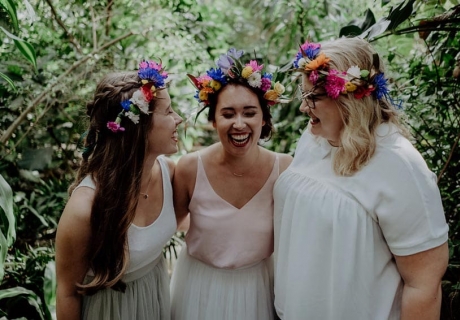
x: 146, y: 297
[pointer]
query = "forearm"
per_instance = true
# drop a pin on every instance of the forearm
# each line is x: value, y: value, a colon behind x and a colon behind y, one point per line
x: 68, y: 307
x: 421, y: 303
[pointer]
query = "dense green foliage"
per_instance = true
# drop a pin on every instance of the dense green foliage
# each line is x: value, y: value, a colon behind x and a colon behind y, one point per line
x: 73, y: 43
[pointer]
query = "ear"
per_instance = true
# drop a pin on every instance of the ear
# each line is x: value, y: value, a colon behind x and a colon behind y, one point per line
x: 263, y: 123
x: 214, y: 124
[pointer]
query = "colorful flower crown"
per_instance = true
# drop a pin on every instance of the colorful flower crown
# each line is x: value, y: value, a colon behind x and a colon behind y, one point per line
x: 230, y: 67
x: 152, y: 77
x: 360, y: 82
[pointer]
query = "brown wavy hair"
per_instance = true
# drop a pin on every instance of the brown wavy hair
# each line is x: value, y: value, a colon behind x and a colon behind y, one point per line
x: 114, y: 161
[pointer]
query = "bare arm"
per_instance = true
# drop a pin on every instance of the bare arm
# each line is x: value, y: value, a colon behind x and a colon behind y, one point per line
x: 184, y: 183
x: 72, y: 241
x: 422, y: 273
x: 285, y: 161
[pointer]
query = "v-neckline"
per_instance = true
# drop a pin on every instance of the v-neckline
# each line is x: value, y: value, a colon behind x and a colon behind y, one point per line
x: 226, y: 201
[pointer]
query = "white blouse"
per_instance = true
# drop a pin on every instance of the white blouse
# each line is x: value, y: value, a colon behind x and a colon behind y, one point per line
x: 335, y: 236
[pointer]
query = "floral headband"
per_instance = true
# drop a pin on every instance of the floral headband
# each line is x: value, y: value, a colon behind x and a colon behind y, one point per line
x: 360, y: 82
x: 230, y: 67
x: 152, y: 77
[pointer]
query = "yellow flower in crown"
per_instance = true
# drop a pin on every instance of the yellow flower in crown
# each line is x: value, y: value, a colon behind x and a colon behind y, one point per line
x: 216, y: 85
x: 247, y: 71
x: 350, y: 87
x: 279, y: 88
x: 320, y: 61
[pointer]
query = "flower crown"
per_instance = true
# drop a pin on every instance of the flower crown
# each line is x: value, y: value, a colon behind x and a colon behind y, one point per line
x: 360, y: 82
x: 152, y: 77
x: 230, y: 67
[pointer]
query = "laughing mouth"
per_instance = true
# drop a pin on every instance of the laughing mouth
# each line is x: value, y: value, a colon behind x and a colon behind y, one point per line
x: 239, y: 139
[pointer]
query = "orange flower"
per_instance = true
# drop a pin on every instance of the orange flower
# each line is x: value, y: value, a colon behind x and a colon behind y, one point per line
x: 321, y: 60
x: 271, y: 95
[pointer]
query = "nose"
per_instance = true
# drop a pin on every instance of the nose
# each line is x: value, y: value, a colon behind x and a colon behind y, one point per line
x: 179, y: 119
x: 304, y: 106
x: 239, y: 123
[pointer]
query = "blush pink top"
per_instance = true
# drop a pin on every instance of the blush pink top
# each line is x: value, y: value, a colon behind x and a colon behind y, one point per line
x: 224, y: 236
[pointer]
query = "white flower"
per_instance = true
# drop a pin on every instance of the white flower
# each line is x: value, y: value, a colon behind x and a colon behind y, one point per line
x: 302, y: 63
x: 354, y: 71
x: 255, y: 80
x: 133, y: 117
x: 139, y: 100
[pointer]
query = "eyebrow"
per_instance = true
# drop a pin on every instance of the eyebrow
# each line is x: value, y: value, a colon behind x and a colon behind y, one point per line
x: 244, y: 108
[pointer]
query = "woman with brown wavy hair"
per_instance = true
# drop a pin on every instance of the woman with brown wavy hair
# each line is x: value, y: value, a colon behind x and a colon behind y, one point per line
x: 120, y: 213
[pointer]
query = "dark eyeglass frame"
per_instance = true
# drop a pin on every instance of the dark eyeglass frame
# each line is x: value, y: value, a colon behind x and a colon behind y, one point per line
x: 310, y: 96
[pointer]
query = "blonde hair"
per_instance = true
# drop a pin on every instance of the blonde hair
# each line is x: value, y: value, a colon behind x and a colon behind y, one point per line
x: 361, y: 117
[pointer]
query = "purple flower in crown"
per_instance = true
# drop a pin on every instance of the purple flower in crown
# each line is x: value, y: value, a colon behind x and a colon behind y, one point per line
x: 380, y: 85
x: 310, y: 50
x: 225, y: 61
x: 152, y: 75
x: 126, y: 105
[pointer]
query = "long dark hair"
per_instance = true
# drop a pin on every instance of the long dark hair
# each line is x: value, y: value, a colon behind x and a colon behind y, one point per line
x: 114, y: 161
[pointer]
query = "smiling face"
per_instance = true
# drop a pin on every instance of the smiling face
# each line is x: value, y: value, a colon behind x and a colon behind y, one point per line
x: 326, y: 119
x: 238, y: 118
x: 163, y: 136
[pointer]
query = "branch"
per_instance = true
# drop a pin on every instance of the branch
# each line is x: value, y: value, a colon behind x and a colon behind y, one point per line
x: 109, y: 17
x: 449, y: 158
x: 93, y: 20
x: 8, y: 132
x: 62, y: 25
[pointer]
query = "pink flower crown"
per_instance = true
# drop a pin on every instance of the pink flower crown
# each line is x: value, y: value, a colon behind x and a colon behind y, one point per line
x: 361, y: 83
x: 152, y: 77
x: 230, y: 67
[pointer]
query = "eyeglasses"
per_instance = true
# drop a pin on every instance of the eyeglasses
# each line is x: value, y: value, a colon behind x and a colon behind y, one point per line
x: 309, y: 96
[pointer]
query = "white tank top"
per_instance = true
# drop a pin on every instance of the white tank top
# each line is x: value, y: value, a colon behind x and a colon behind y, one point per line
x: 146, y: 243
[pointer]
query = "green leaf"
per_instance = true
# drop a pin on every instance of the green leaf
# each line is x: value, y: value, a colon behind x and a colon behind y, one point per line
x: 30, y: 296
x: 24, y: 47
x: 27, y: 51
x: 10, y: 9
x: 369, y: 20
x: 402, y: 12
x: 8, y: 221
x: 348, y: 31
x: 7, y: 79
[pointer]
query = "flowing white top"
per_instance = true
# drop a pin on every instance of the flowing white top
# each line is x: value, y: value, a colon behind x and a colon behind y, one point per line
x: 224, y: 236
x: 146, y: 243
x: 335, y: 236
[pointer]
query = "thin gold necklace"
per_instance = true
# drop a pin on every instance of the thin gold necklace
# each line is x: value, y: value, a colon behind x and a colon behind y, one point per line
x: 146, y: 195
x: 239, y: 175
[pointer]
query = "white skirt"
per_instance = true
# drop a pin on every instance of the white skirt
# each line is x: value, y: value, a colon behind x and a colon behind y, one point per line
x: 203, y: 292
x: 146, y: 297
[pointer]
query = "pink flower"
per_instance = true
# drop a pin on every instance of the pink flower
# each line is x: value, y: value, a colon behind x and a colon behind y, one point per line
x: 335, y: 83
x: 143, y: 65
x: 154, y: 65
x: 164, y: 74
x: 255, y: 67
x: 114, y: 127
x: 266, y: 84
x: 313, y: 77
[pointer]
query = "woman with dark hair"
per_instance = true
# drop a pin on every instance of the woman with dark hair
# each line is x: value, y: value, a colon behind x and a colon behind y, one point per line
x: 120, y: 213
x: 360, y: 231
x: 225, y: 270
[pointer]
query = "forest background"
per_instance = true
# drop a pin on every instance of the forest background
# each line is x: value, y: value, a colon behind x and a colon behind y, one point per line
x: 53, y: 52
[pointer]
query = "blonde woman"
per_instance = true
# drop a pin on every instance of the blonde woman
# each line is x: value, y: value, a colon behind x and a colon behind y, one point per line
x: 360, y: 231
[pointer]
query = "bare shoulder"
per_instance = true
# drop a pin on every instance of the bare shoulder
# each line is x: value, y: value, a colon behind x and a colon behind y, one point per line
x: 77, y: 212
x: 285, y: 161
x: 187, y: 164
x: 171, y: 165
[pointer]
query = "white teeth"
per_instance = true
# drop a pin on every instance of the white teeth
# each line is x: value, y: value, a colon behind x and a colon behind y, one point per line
x: 240, y: 137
